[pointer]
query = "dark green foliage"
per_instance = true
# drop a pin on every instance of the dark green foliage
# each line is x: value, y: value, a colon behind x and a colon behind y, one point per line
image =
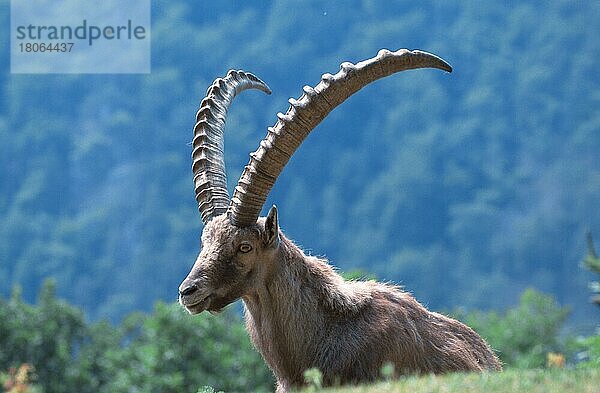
x: 590, y: 355
x: 523, y: 335
x: 166, y: 351
x: 173, y: 351
x: 46, y: 336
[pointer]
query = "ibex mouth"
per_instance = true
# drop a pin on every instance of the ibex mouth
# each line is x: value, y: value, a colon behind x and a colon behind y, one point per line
x: 197, y: 307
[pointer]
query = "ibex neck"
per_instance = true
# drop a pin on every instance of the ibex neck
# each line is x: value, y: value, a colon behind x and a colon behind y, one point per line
x: 287, y: 315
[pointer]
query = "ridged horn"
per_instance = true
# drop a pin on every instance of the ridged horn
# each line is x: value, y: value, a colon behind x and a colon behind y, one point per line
x: 208, y: 161
x: 304, y: 114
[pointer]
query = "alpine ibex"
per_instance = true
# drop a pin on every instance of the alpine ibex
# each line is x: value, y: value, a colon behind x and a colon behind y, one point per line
x: 299, y: 312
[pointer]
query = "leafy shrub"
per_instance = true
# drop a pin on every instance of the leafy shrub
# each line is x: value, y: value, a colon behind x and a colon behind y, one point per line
x: 167, y: 350
x: 524, y: 334
x: 590, y: 354
x: 171, y: 351
x: 45, y: 336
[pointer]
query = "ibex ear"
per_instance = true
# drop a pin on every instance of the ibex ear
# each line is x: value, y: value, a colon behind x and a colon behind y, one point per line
x: 272, y: 228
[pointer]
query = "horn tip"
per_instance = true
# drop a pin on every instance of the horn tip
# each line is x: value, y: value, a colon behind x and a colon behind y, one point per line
x: 438, y: 62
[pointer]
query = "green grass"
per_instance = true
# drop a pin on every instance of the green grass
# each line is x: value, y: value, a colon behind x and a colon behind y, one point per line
x: 529, y: 381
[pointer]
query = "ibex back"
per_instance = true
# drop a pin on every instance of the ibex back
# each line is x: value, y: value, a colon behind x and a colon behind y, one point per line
x: 299, y: 312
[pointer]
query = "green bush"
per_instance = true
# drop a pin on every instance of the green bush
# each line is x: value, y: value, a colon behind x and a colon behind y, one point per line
x: 46, y: 336
x: 523, y: 335
x: 165, y: 351
x: 172, y: 351
x: 590, y: 354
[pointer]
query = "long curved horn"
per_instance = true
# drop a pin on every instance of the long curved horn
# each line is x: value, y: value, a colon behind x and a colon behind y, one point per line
x: 208, y: 162
x: 282, y: 140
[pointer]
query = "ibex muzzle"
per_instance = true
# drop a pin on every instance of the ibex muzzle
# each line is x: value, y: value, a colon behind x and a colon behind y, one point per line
x: 299, y: 312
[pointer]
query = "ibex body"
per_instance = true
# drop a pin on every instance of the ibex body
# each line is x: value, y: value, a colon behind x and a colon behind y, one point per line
x: 299, y: 312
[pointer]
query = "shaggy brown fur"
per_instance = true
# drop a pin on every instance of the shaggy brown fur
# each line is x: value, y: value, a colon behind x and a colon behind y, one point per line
x: 301, y: 314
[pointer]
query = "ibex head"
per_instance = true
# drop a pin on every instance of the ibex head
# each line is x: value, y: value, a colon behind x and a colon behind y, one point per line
x: 230, y: 263
x: 238, y: 247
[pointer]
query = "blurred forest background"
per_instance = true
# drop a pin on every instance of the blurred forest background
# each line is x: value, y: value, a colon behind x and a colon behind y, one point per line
x: 466, y: 188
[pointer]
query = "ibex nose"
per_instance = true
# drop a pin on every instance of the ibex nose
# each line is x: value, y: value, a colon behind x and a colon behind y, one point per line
x: 188, y: 290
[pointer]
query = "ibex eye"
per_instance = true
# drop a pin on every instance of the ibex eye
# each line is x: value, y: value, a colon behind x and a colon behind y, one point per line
x: 245, y: 247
